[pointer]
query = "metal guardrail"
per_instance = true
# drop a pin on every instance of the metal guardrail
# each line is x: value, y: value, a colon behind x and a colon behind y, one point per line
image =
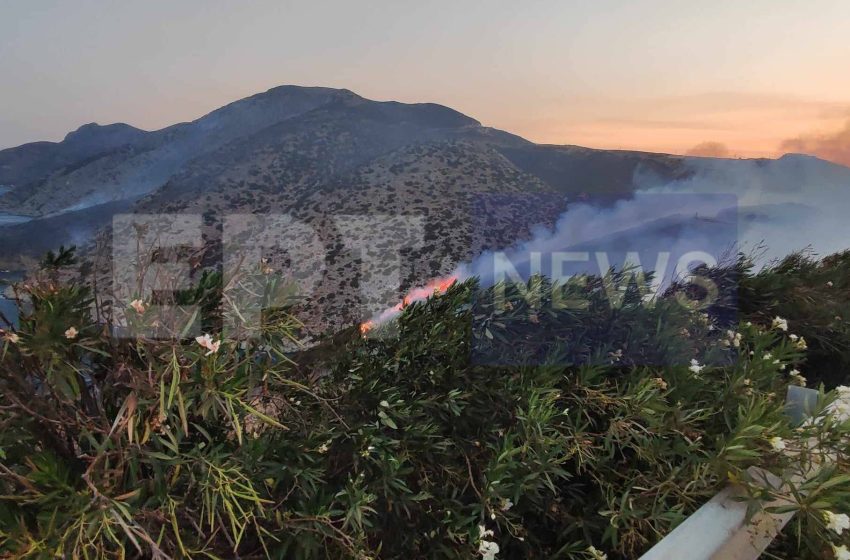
x: 719, y: 530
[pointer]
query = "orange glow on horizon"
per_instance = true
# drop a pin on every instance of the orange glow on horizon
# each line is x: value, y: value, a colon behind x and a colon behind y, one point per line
x: 717, y: 125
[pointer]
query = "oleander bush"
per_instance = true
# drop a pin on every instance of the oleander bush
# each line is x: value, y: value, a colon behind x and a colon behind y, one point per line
x: 813, y: 294
x: 524, y: 421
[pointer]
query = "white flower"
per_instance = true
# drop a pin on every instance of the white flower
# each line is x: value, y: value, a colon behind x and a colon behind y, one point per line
x: 829, y: 284
x: 384, y: 404
x: 777, y: 443
x: 734, y: 339
x: 138, y: 306
x: 793, y: 337
x: 323, y: 448
x: 767, y: 356
x: 207, y: 342
x: 12, y: 337
x: 797, y: 377
x: 596, y: 554
x: 838, y: 522
x: 71, y: 333
x: 695, y: 366
x: 801, y: 344
x: 484, y: 532
x: 841, y: 552
x: 488, y: 550
x: 506, y: 504
x: 840, y: 409
x: 780, y: 323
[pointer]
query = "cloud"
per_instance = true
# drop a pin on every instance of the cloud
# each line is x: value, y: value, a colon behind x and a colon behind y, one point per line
x: 834, y: 146
x: 709, y: 149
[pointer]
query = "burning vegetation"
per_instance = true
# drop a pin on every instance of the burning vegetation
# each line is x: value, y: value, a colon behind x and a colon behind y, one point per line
x: 433, y: 288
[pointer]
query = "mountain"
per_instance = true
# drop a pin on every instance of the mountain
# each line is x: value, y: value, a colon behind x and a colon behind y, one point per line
x: 272, y: 149
x: 98, y: 164
x: 31, y: 162
x: 101, y: 164
x: 320, y: 153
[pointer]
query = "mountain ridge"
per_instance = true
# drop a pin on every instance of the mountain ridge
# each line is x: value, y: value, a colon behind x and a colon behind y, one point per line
x: 318, y: 154
x: 122, y: 161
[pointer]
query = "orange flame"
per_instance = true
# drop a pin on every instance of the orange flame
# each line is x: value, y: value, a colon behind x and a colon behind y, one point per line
x: 433, y: 287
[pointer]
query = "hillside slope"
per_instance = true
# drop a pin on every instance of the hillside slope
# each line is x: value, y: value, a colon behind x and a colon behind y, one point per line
x: 322, y: 155
x: 265, y: 152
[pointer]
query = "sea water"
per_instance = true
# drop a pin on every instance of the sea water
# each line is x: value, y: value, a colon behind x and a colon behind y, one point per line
x: 7, y: 306
x: 9, y: 219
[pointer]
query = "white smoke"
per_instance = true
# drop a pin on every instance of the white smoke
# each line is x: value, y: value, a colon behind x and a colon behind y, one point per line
x: 765, y: 208
x: 786, y: 205
x: 651, y: 231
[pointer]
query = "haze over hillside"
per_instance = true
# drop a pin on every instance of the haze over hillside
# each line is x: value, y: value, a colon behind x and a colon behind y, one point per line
x: 316, y: 153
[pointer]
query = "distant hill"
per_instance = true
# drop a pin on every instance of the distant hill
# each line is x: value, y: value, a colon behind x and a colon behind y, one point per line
x: 318, y: 152
x: 277, y: 147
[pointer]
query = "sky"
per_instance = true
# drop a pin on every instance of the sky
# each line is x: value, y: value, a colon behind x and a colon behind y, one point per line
x: 723, y: 78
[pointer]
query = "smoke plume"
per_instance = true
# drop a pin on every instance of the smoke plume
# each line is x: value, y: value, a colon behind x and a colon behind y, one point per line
x: 834, y: 147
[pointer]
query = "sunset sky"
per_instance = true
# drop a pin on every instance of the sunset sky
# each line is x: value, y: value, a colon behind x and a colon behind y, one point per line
x: 755, y: 78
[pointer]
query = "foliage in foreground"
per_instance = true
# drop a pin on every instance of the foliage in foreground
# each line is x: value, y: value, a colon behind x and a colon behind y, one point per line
x: 815, y: 295
x: 623, y: 422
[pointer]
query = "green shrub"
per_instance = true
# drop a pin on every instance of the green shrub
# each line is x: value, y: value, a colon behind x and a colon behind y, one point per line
x: 603, y: 435
x: 814, y: 295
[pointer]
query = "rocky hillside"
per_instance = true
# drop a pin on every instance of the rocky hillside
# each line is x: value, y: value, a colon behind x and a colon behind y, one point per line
x: 101, y: 164
x: 267, y: 152
x: 317, y: 154
x: 314, y: 153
